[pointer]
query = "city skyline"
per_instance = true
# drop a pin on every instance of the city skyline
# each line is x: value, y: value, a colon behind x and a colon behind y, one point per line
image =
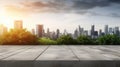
x: 20, y: 25
x: 39, y: 29
x: 61, y: 13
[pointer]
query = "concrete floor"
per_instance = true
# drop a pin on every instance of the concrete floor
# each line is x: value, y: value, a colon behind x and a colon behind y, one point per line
x: 59, y: 56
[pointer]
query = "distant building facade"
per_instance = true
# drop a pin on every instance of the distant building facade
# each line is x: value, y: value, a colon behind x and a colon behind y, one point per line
x: 3, y: 29
x: 106, y: 30
x: 57, y: 33
x: 92, y: 31
x: 33, y: 31
x: 18, y: 24
x: 116, y: 31
x: 39, y: 30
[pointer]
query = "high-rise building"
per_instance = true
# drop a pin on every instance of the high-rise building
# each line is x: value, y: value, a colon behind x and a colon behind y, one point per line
x: 3, y: 29
x: 95, y: 34
x: 18, y: 24
x: 48, y: 33
x: 92, y: 31
x: 57, y: 33
x: 111, y: 30
x: 39, y: 30
x: 53, y: 35
x: 65, y: 32
x: 116, y: 30
x: 76, y: 34
x: 106, y: 29
x: 33, y: 31
x: 81, y: 31
x: 100, y: 32
x: 44, y: 34
x: 86, y: 33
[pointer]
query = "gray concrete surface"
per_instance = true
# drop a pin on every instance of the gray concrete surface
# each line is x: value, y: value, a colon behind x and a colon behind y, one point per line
x: 60, y: 56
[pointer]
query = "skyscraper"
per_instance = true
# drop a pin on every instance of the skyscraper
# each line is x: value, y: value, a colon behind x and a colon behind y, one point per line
x: 18, y: 24
x: 100, y: 32
x: 39, y: 30
x: 76, y: 34
x: 95, y: 34
x: 57, y: 33
x: 81, y: 31
x: 116, y: 30
x: 92, y: 31
x: 111, y: 30
x: 86, y: 33
x: 48, y: 33
x: 106, y: 29
x: 65, y: 32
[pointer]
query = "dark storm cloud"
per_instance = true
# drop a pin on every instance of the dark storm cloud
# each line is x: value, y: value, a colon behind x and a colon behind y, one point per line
x: 77, y: 6
x: 114, y: 1
x: 89, y: 4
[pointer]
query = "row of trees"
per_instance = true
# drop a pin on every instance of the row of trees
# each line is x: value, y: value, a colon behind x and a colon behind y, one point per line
x: 24, y: 37
x: 18, y: 37
x: 84, y: 40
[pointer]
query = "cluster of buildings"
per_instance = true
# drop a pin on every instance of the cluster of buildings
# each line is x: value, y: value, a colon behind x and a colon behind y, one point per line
x: 40, y: 32
x: 94, y: 33
x: 18, y: 24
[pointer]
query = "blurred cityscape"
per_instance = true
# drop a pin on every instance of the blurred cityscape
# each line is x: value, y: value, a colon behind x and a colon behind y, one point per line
x: 40, y: 32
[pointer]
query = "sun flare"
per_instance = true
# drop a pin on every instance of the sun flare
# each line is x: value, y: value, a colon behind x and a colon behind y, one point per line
x: 5, y: 19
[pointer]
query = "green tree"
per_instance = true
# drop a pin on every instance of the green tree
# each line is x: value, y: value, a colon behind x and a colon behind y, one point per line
x: 18, y: 37
x: 109, y: 40
x: 47, y: 41
x: 66, y: 39
x: 84, y: 40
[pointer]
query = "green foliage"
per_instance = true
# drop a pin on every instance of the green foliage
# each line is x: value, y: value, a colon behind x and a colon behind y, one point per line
x: 18, y: 37
x: 109, y: 40
x: 84, y: 40
x: 23, y: 37
x: 66, y: 39
x: 46, y: 41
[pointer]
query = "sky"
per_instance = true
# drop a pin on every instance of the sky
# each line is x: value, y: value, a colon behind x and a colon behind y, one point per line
x: 62, y: 14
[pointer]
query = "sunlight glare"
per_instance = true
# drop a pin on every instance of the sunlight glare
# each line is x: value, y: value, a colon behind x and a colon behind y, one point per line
x: 5, y: 19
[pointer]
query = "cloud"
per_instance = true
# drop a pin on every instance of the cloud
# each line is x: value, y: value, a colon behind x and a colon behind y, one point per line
x: 114, y: 15
x: 114, y: 1
x: 59, y: 6
x: 89, y: 4
x: 89, y: 13
x: 13, y: 10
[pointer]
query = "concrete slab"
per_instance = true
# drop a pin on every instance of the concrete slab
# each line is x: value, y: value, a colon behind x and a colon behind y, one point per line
x: 89, y: 53
x: 57, y: 53
x: 30, y: 54
x: 59, y: 56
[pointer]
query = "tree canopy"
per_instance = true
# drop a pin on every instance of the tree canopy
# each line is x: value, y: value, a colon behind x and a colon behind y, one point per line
x: 24, y: 37
x: 84, y: 40
x: 109, y: 40
x: 18, y: 37
x: 66, y: 39
x: 46, y: 41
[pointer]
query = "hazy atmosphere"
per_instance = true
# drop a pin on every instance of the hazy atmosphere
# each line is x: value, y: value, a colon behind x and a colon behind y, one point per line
x: 63, y: 14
